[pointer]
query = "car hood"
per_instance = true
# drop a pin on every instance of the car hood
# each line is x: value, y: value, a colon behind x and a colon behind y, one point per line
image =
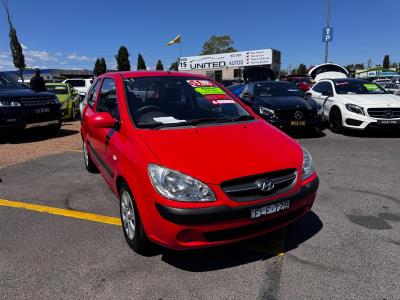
x: 22, y: 93
x: 221, y: 152
x: 290, y: 102
x: 62, y: 98
x: 382, y: 99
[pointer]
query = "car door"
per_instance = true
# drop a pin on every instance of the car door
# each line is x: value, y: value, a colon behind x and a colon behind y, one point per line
x: 322, y: 93
x: 107, y: 103
x: 88, y: 111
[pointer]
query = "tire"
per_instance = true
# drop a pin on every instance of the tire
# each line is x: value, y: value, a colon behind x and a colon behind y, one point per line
x: 131, y: 223
x: 74, y: 112
x: 89, y: 164
x: 335, y: 120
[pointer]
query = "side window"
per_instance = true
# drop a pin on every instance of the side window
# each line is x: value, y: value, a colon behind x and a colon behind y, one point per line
x: 329, y: 87
x: 93, y: 93
x: 108, y: 98
x: 319, y: 87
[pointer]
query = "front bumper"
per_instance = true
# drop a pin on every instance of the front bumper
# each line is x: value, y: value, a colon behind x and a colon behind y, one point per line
x: 361, y: 122
x: 185, y: 228
x: 12, y: 118
x: 315, y: 122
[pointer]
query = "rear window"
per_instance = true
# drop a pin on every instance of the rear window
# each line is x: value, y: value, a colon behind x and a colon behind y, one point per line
x: 76, y: 82
x: 57, y: 89
x: 180, y: 101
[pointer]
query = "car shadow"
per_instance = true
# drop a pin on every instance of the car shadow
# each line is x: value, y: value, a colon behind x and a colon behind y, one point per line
x: 311, y: 134
x: 258, y: 249
x: 35, y: 135
x: 373, y: 133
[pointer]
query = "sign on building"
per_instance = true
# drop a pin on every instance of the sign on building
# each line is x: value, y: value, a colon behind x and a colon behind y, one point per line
x: 226, y: 60
x: 327, y: 34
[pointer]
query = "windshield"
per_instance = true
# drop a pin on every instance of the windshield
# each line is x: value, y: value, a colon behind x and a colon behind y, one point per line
x: 347, y: 87
x: 57, y: 89
x: 7, y: 83
x: 277, y: 89
x: 156, y: 102
x: 77, y: 82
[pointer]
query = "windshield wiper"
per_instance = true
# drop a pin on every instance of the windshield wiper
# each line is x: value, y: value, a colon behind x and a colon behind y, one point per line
x: 198, y: 122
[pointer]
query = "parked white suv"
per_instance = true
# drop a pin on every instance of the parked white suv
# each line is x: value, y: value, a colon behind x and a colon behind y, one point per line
x: 356, y: 104
x: 81, y: 85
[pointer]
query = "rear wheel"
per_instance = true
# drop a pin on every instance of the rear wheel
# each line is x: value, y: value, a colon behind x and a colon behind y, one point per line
x: 335, y: 120
x: 89, y: 164
x: 131, y: 222
x: 74, y: 112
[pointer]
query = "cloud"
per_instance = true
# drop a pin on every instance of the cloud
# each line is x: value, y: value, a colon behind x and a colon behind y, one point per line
x: 24, y: 47
x: 75, y: 56
x: 34, y: 55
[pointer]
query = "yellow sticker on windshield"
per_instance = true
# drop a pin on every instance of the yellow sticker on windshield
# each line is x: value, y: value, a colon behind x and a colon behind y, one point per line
x: 371, y: 87
x: 209, y: 90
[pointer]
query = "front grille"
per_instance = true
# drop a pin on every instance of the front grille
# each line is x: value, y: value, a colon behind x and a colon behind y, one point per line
x: 35, y: 101
x: 234, y: 233
x: 290, y: 114
x: 384, y: 113
x: 249, y: 188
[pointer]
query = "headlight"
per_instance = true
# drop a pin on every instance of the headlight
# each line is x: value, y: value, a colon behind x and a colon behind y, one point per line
x: 64, y: 105
x: 177, y: 186
x: 266, y: 112
x: 355, y: 109
x: 308, y: 168
x: 6, y: 103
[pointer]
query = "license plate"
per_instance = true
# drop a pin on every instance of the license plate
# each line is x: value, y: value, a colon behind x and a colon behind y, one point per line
x: 298, y: 123
x: 389, y: 122
x: 270, y: 209
x: 42, y: 110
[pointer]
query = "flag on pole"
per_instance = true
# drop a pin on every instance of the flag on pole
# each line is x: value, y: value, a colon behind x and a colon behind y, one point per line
x: 176, y: 40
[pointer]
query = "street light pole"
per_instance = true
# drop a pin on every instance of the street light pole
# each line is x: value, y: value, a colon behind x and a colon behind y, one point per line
x: 328, y: 19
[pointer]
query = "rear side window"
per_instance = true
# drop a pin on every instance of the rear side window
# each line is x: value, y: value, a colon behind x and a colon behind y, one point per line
x: 76, y: 83
x: 108, y: 98
x: 93, y: 93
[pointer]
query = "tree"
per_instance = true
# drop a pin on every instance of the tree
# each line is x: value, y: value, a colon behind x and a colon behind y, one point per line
x: 96, y: 70
x: 302, y: 69
x: 386, y: 62
x: 293, y: 72
x: 103, y: 66
x: 122, y: 58
x: 15, y: 45
x: 141, y: 65
x: 218, y: 44
x: 174, y: 66
x: 159, y: 66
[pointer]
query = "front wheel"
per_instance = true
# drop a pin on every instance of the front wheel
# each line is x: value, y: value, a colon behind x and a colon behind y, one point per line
x: 335, y: 121
x: 131, y: 222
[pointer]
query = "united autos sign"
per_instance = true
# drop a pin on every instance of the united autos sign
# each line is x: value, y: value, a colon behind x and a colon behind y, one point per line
x: 226, y: 60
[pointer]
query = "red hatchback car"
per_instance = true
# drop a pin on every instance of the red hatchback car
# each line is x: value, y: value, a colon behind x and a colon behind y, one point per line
x: 191, y: 165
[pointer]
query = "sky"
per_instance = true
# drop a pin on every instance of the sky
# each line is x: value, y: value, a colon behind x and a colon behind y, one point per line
x: 73, y: 33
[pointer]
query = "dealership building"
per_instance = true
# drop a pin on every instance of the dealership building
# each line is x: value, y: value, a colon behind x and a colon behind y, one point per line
x: 229, y: 66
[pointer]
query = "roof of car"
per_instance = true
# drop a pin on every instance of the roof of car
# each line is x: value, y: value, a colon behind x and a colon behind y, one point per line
x: 347, y: 79
x: 133, y: 74
x: 56, y: 83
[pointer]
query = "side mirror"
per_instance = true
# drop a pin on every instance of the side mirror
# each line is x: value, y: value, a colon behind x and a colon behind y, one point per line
x: 102, y: 120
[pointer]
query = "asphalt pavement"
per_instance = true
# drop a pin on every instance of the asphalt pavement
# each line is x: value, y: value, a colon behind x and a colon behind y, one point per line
x: 348, y: 247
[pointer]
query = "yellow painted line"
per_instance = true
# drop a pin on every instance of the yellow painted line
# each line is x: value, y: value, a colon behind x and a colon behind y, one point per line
x: 72, y: 150
x: 62, y: 212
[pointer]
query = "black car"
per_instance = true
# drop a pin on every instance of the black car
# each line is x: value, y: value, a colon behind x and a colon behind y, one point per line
x: 283, y: 104
x: 23, y: 108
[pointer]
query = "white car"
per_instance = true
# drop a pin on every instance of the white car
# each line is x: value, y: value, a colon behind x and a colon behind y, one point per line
x: 81, y: 85
x: 350, y: 103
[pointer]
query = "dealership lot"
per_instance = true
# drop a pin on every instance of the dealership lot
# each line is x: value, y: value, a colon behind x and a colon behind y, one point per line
x: 347, y: 248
